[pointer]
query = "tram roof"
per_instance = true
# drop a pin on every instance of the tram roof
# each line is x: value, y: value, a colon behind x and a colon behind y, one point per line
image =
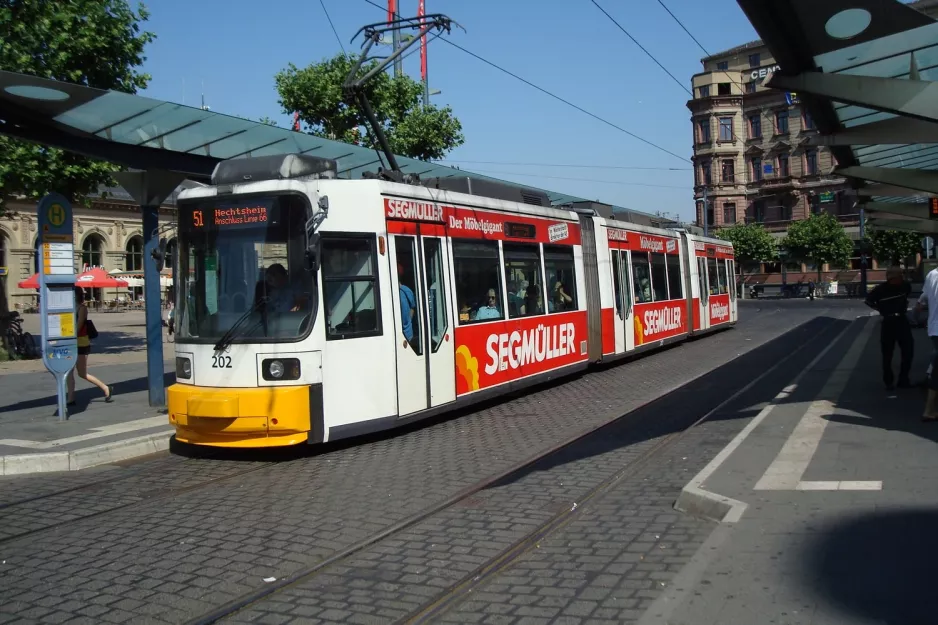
x: 865, y: 70
x: 144, y: 133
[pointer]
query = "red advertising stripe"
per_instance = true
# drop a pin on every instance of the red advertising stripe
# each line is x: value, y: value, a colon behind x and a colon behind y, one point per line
x: 660, y: 320
x: 695, y: 312
x: 470, y: 223
x: 609, y: 318
x: 488, y: 354
x: 719, y: 309
x: 713, y: 251
x: 641, y: 242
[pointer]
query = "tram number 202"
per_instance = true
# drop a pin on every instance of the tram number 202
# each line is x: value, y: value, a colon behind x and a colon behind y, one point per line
x: 221, y: 362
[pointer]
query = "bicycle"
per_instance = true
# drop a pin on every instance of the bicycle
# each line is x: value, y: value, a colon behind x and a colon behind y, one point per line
x: 21, y: 343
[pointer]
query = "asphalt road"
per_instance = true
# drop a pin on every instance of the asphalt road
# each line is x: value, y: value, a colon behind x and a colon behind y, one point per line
x: 554, y: 506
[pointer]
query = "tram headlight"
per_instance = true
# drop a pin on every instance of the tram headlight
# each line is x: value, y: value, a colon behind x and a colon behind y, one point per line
x: 280, y: 369
x: 183, y: 368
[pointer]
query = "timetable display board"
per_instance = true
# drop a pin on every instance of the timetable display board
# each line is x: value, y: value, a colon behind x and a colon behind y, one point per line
x: 57, y: 291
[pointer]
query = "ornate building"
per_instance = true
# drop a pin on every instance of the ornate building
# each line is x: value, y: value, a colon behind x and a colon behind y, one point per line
x: 108, y: 233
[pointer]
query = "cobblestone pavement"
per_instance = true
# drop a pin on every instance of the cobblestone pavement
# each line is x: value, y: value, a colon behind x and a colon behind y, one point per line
x: 172, y: 558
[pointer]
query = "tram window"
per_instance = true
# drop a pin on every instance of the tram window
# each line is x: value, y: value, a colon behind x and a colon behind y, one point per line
x: 675, y: 284
x: 702, y: 276
x: 659, y: 277
x: 350, y: 286
x: 721, y: 272
x: 561, y: 278
x: 436, y: 295
x: 616, y: 284
x: 524, y: 280
x: 478, y: 281
x: 408, y: 292
x: 712, y: 275
x: 641, y: 274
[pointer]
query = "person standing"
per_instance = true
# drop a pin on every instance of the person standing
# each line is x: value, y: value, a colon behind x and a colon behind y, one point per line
x: 84, y: 349
x: 930, y: 297
x: 408, y: 310
x: 891, y: 300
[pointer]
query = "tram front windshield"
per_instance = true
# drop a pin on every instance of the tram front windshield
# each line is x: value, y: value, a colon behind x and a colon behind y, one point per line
x: 242, y: 266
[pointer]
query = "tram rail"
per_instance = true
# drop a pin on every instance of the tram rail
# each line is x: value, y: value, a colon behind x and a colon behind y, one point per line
x: 454, y: 594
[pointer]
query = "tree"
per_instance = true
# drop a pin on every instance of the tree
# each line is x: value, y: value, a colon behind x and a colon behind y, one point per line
x: 894, y: 246
x: 752, y: 243
x: 819, y: 239
x: 414, y: 130
x: 97, y: 43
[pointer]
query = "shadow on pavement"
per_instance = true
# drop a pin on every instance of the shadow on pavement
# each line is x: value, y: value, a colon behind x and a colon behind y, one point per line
x: 879, y: 566
x: 680, y: 409
x: 84, y: 396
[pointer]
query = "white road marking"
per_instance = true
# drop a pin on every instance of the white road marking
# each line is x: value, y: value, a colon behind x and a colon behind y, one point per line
x: 106, y: 430
x: 792, y: 461
x: 695, y: 488
x: 841, y: 485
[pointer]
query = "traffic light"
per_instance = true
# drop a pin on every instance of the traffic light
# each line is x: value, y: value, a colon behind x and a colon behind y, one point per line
x: 933, y: 208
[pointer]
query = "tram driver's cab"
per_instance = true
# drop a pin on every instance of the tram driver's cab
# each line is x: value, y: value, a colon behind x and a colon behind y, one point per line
x: 247, y: 297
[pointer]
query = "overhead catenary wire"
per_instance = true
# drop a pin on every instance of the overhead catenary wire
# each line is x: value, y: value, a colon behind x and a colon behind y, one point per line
x: 553, y: 95
x: 565, y: 165
x: 600, y: 181
x: 334, y: 31
x: 649, y: 54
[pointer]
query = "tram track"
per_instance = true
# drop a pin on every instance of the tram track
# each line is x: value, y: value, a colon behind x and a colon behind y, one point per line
x: 144, y: 498
x: 454, y: 594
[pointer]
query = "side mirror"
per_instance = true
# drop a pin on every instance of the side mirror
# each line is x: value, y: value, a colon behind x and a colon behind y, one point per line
x: 313, y: 247
x: 159, y: 255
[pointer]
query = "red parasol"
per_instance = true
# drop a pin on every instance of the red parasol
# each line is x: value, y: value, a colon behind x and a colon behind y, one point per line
x: 97, y: 278
x: 30, y: 283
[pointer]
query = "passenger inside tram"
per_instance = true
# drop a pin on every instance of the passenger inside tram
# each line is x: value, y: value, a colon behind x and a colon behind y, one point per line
x: 559, y: 301
x: 533, y: 301
x: 489, y: 310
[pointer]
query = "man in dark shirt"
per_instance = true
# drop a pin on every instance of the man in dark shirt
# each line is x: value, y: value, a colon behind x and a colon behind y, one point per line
x: 891, y: 300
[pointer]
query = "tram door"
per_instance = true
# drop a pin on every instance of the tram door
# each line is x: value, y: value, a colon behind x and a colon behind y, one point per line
x: 733, y: 285
x: 425, y: 353
x: 622, y: 290
x: 703, y: 284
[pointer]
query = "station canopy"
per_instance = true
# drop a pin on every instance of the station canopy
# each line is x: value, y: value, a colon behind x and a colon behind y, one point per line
x: 143, y: 133
x: 865, y: 70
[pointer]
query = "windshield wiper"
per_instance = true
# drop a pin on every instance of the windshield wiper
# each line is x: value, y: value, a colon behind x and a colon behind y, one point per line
x: 231, y: 334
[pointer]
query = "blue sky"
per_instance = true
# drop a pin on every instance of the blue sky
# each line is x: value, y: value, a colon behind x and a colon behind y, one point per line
x: 570, y: 48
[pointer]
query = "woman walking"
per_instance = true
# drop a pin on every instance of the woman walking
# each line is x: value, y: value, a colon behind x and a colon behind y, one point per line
x: 84, y: 348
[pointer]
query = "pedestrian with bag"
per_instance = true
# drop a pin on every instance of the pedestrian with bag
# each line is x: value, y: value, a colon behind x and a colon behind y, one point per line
x: 86, y: 333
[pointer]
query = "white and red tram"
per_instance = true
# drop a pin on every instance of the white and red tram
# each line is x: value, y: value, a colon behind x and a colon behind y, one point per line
x: 276, y: 349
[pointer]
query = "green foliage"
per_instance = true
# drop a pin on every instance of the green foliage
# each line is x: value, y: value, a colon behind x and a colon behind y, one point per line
x: 819, y: 239
x: 413, y: 130
x: 752, y: 243
x: 97, y: 43
x: 267, y: 120
x: 894, y: 246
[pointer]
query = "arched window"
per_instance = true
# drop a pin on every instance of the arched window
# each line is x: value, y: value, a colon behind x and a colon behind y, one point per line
x: 92, y: 255
x: 133, y: 258
x: 133, y: 261
x: 92, y: 251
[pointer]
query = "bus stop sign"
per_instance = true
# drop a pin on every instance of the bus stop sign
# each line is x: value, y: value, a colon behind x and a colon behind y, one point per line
x: 57, y: 291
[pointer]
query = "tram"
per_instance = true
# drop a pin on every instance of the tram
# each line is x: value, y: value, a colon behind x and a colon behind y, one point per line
x: 311, y: 309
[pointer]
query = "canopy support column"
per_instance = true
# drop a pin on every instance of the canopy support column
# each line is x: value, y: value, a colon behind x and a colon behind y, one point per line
x: 149, y: 189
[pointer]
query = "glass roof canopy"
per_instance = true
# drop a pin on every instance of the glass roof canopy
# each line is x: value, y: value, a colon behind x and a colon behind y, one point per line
x: 836, y: 54
x: 143, y: 133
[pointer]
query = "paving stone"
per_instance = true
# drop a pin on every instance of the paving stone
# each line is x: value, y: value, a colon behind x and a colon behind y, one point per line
x: 293, y: 514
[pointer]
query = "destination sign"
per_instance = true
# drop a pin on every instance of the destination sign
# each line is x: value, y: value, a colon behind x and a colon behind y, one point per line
x: 230, y: 216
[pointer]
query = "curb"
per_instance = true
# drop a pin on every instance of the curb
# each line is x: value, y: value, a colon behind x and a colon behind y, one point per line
x: 20, y: 464
x: 698, y: 502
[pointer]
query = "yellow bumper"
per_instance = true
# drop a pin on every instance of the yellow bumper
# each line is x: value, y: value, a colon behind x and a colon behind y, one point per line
x: 240, y: 417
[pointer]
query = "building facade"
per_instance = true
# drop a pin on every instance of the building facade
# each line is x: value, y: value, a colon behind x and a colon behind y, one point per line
x: 108, y: 233
x: 751, y: 160
x: 752, y: 163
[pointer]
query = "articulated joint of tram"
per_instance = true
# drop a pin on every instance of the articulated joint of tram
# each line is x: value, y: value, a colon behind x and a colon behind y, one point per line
x: 246, y: 417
